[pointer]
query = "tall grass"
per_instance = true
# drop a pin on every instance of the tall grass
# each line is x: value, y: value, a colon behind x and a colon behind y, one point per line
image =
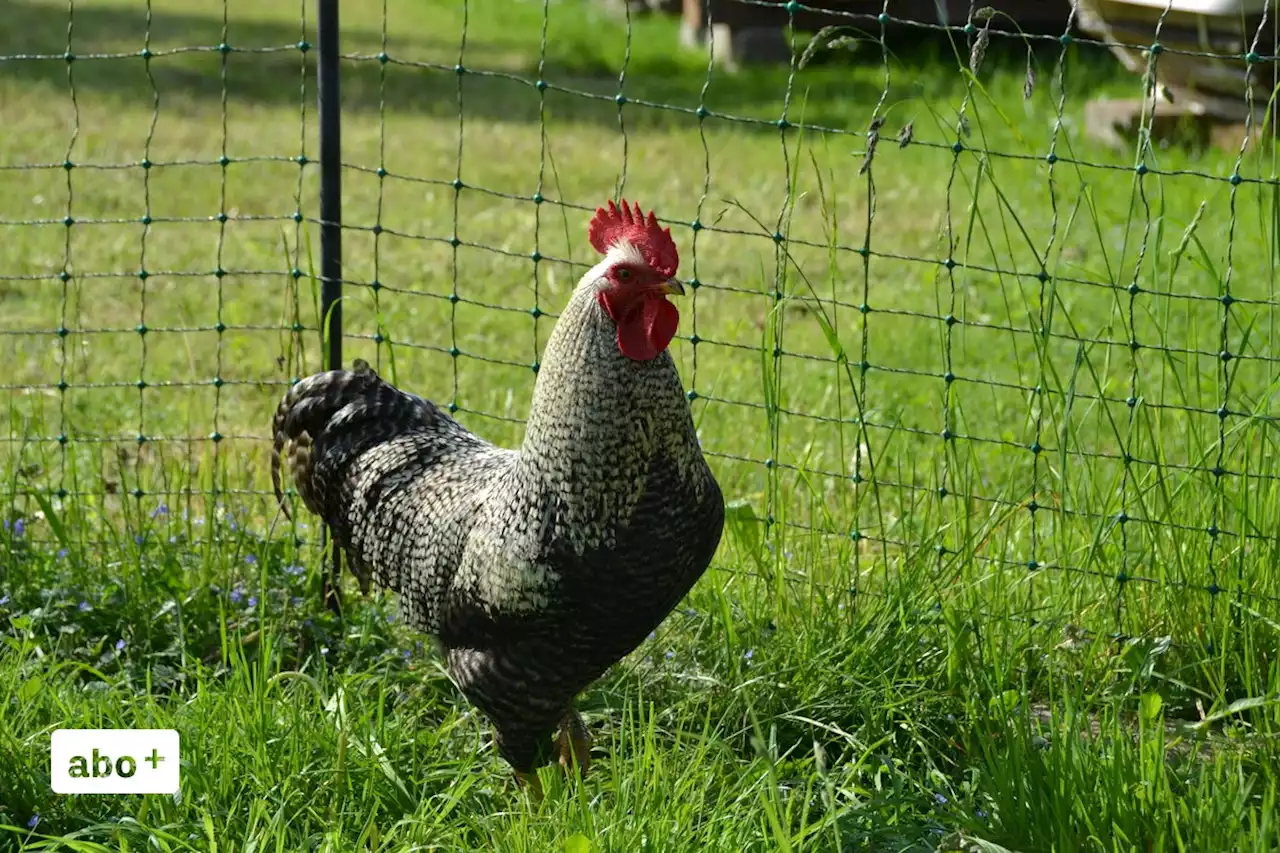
x: 980, y: 589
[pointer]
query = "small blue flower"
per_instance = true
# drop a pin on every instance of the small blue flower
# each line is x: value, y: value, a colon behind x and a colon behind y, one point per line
x: 670, y: 654
x: 253, y: 601
x: 980, y: 813
x: 406, y: 654
x: 294, y: 569
x: 237, y: 594
x: 4, y: 599
x: 120, y: 645
x: 295, y: 601
x: 31, y: 824
x: 940, y: 799
x: 19, y: 528
x: 251, y: 559
x: 85, y: 606
x: 391, y: 617
x: 140, y: 539
x: 652, y: 635
x: 62, y: 553
x: 748, y: 654
x: 163, y: 509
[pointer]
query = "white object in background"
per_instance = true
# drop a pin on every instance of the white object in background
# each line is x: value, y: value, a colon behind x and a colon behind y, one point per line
x: 114, y: 761
x: 1223, y: 8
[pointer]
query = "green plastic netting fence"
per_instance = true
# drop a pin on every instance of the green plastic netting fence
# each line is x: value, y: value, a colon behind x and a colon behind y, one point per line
x: 936, y: 334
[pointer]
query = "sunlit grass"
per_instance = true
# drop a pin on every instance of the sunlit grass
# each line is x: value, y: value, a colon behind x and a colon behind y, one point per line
x: 946, y: 603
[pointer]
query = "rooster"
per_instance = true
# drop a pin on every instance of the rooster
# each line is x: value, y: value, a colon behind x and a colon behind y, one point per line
x: 536, y: 569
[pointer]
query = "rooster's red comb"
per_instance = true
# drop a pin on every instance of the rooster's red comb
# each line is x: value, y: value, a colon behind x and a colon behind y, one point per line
x: 653, y: 242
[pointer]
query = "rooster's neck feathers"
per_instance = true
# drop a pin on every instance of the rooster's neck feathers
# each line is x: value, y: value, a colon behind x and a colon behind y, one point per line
x: 598, y: 418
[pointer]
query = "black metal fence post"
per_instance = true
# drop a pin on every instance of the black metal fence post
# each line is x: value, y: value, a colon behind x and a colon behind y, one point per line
x: 330, y: 110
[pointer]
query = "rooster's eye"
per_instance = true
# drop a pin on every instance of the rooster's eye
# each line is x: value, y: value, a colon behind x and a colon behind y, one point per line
x: 624, y: 274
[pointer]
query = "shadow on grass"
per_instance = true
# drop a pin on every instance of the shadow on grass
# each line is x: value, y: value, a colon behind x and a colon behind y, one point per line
x: 266, y: 66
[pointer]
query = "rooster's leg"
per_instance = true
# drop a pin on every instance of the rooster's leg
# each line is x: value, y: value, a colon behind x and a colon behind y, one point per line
x: 573, y: 747
x: 532, y: 783
x: 573, y: 742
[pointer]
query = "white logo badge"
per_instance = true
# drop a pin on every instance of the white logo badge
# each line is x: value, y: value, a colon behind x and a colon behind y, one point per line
x: 114, y: 761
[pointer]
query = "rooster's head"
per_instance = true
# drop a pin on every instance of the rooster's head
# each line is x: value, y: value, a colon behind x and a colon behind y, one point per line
x: 634, y: 279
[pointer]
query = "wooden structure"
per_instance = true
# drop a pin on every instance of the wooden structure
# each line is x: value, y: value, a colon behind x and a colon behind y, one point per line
x: 1196, y: 85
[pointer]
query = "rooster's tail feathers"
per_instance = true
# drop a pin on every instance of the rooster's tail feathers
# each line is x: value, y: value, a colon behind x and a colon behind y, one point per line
x: 349, y: 411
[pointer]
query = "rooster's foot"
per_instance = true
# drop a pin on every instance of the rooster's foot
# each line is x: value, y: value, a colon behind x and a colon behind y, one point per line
x: 574, y: 743
x: 573, y: 748
x: 532, y: 783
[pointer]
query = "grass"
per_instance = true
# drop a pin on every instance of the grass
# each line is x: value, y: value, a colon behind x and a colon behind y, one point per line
x: 981, y: 583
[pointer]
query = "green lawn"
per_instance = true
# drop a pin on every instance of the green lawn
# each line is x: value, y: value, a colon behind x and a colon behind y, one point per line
x: 1001, y: 563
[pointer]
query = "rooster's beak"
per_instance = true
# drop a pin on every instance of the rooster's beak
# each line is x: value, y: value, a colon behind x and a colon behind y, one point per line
x: 672, y: 287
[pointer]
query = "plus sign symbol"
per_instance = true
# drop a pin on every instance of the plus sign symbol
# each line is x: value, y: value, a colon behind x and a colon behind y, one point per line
x: 154, y: 758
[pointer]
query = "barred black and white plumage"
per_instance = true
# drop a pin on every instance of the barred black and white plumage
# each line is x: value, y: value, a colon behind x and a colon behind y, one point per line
x: 536, y: 568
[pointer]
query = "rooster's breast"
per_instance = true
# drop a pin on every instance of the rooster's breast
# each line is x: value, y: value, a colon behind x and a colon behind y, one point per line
x: 617, y: 593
